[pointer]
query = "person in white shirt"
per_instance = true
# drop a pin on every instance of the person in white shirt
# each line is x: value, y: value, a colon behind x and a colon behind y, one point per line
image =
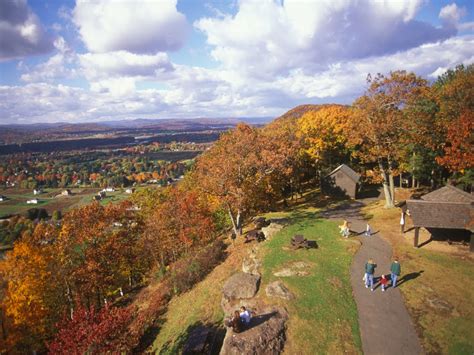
x: 245, y: 315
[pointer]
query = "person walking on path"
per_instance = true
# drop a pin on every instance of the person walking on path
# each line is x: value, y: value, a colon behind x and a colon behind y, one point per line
x: 395, y: 270
x: 369, y: 274
x: 368, y: 231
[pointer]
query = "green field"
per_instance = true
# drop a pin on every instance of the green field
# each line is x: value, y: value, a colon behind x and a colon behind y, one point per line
x: 51, y: 199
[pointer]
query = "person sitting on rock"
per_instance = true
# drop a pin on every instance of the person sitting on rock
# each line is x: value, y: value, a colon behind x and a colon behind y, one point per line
x: 245, y: 315
x: 235, y: 322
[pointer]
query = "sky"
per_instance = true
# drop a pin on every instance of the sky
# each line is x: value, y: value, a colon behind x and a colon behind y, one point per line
x: 96, y: 60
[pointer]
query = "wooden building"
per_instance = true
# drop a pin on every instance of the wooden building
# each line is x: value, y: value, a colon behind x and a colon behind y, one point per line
x: 447, y: 212
x: 342, y: 180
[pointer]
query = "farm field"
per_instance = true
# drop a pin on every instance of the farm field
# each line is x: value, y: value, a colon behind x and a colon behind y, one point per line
x: 52, y: 200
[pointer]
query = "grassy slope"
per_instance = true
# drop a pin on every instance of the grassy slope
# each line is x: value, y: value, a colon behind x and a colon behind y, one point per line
x: 200, y: 305
x: 445, y: 277
x: 323, y: 318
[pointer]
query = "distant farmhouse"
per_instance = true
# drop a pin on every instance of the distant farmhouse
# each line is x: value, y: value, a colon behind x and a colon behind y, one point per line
x: 342, y: 180
x: 3, y: 198
x: 447, y: 213
x: 37, y: 191
x: 109, y: 189
x: 129, y: 191
x: 33, y: 201
x: 66, y: 192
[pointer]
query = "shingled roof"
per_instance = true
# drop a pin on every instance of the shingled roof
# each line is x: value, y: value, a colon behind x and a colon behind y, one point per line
x: 447, y: 207
x: 449, y: 193
x: 348, y: 171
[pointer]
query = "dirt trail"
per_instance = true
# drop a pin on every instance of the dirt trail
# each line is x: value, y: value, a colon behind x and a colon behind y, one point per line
x: 385, y: 325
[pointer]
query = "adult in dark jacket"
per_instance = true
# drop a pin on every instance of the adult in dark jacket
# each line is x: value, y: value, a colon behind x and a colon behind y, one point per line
x: 369, y: 274
x: 235, y: 322
x: 395, y: 270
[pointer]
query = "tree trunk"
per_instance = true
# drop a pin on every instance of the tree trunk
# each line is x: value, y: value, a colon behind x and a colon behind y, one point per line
x: 401, y: 180
x: 392, y: 187
x: 390, y: 179
x: 386, y: 187
x: 232, y: 219
x: 239, y: 222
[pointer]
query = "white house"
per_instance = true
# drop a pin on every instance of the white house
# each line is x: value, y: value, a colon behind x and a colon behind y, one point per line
x: 129, y: 191
x: 109, y: 189
x: 37, y: 191
x: 2, y: 198
x: 66, y: 192
x: 32, y: 201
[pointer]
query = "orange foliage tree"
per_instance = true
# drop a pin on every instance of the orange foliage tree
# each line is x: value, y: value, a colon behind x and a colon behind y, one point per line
x: 235, y: 170
x: 379, y: 124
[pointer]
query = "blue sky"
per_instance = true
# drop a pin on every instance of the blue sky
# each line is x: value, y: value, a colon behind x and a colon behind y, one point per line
x: 85, y: 61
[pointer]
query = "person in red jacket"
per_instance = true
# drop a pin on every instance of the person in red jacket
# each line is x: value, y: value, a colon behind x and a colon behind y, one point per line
x: 383, y: 282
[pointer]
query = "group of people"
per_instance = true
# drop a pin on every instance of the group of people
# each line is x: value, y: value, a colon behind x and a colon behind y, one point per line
x: 239, y: 320
x: 395, y: 270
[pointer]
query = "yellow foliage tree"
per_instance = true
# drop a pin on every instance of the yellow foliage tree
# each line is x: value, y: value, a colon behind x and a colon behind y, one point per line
x: 325, y: 132
x: 31, y: 297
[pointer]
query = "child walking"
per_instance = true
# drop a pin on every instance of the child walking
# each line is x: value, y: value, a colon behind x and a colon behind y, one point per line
x: 383, y: 283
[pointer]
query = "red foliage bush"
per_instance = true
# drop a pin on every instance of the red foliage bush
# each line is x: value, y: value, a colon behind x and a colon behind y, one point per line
x: 92, y: 331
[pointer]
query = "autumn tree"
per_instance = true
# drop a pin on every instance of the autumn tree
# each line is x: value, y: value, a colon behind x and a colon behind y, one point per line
x: 33, y: 295
x: 378, y: 122
x: 325, y: 133
x: 181, y: 221
x: 234, y: 170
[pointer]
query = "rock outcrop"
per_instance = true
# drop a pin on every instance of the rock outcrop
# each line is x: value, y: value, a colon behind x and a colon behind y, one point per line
x: 278, y: 289
x: 276, y: 224
x: 251, y: 263
x: 265, y: 335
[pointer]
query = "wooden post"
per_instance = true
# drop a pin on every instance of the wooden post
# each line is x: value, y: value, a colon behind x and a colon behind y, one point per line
x: 417, y: 236
x: 471, y: 249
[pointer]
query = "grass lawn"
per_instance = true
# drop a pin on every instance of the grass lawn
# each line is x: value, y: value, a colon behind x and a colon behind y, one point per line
x: 323, y: 317
x: 441, y: 297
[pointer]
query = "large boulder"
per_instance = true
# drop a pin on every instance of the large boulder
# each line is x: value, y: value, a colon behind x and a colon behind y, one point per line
x: 238, y: 291
x: 241, y: 286
x: 265, y: 335
x: 278, y: 289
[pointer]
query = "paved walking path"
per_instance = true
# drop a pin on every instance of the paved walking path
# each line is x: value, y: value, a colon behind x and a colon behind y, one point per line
x: 385, y: 326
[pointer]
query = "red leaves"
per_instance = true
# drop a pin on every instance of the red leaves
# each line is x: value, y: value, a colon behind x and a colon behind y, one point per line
x: 459, y: 151
x: 91, y: 330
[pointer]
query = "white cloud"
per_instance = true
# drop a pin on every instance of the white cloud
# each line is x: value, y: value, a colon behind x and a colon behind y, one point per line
x: 267, y: 38
x: 124, y: 64
x: 59, y: 66
x: 198, y: 92
x: 452, y: 14
x: 145, y: 27
x: 21, y: 32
